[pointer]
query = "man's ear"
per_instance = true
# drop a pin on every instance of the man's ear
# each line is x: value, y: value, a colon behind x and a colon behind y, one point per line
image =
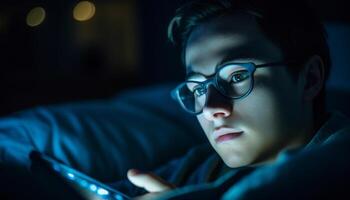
x: 313, y: 77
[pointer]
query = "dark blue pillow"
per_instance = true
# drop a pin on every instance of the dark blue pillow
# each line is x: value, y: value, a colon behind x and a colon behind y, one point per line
x: 140, y: 128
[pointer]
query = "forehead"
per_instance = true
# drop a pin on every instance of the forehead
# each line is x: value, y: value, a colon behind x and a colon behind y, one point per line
x: 228, y: 38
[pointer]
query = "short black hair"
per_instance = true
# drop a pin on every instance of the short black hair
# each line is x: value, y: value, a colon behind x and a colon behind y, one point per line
x: 290, y: 24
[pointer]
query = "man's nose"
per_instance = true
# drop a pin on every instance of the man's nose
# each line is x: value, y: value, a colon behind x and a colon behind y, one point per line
x: 217, y: 105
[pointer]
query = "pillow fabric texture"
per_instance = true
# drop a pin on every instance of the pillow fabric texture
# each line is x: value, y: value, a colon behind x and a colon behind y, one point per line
x: 141, y: 128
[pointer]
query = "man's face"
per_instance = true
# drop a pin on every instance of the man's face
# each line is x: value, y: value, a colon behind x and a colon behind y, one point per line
x: 270, y: 118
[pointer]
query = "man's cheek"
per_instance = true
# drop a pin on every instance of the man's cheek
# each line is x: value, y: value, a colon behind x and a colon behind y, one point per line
x: 205, y: 124
x: 256, y: 107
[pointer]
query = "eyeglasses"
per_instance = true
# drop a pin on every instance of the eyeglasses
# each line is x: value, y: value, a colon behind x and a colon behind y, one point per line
x: 232, y: 80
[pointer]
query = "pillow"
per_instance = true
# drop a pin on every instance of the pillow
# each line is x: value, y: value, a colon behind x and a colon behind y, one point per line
x: 140, y: 128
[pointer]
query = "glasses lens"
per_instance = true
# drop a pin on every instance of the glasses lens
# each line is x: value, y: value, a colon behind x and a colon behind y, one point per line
x: 192, y: 96
x: 234, y: 81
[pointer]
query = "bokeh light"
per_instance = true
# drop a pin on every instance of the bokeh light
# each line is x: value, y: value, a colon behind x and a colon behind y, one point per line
x: 84, y: 10
x: 36, y: 16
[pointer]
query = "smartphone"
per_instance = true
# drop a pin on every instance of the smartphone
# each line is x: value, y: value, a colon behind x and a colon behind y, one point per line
x: 88, y: 187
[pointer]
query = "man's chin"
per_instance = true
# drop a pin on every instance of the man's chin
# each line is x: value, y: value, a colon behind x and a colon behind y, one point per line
x: 235, y: 161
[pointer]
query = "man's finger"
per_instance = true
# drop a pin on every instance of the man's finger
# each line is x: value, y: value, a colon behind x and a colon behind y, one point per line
x: 149, y: 196
x: 148, y: 181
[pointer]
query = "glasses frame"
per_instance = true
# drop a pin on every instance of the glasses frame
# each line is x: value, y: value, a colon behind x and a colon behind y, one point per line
x: 212, y: 79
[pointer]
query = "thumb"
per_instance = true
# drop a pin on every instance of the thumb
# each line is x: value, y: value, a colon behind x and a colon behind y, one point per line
x: 148, y: 181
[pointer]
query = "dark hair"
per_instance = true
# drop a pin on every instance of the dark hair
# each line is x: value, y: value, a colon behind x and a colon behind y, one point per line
x: 289, y: 24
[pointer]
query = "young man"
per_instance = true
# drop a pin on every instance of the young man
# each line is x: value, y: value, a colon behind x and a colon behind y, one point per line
x: 256, y: 72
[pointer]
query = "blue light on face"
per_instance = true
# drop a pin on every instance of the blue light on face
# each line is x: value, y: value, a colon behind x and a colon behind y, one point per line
x: 102, y: 191
x: 93, y: 187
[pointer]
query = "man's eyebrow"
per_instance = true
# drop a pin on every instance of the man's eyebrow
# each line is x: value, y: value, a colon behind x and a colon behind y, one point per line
x: 191, y: 73
x: 234, y: 56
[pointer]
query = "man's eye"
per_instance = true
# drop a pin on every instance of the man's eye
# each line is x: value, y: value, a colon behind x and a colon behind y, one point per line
x: 199, y: 91
x: 239, y: 76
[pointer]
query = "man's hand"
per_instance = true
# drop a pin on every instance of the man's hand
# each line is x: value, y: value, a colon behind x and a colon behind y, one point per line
x: 148, y: 181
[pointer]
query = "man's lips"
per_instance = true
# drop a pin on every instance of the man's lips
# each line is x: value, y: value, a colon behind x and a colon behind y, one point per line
x: 224, y: 134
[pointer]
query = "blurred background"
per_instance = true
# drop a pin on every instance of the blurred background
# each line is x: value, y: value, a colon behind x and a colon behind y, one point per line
x: 68, y: 50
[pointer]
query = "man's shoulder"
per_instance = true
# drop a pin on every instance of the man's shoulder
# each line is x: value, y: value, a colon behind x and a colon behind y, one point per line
x: 339, y: 128
x: 335, y: 129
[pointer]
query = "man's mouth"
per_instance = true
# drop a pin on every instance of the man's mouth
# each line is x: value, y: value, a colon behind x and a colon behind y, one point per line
x: 226, y: 134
